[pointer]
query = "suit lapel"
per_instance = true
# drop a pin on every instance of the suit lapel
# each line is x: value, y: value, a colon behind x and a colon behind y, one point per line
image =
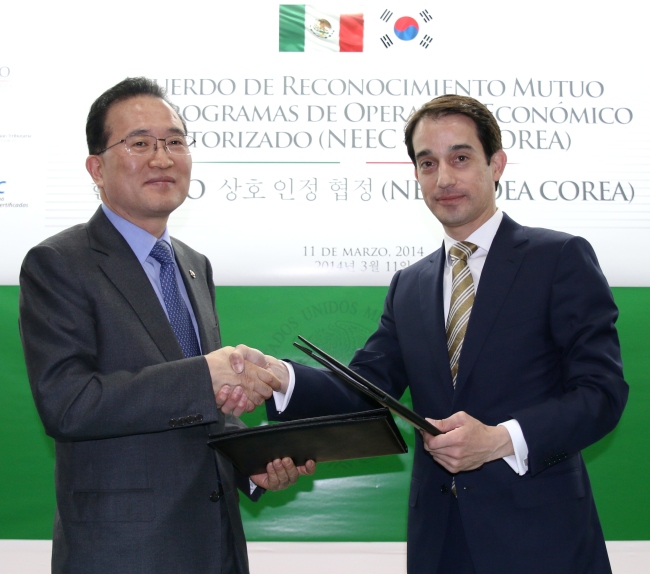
x: 121, y: 266
x: 431, y: 301
x: 501, y: 266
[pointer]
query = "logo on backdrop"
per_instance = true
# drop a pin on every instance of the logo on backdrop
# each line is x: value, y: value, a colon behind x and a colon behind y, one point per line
x: 321, y: 28
x: 405, y: 29
x: 7, y: 204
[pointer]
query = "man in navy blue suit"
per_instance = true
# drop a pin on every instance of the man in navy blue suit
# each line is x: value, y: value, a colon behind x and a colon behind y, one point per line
x: 520, y: 388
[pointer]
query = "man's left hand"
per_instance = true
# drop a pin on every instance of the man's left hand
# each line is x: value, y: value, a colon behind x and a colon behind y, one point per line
x: 281, y: 474
x: 467, y: 443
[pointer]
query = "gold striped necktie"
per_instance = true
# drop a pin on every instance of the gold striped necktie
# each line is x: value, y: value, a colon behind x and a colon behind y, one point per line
x: 462, y: 299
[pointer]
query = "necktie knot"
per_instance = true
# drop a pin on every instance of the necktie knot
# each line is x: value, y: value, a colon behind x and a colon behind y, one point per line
x: 162, y: 253
x: 462, y: 250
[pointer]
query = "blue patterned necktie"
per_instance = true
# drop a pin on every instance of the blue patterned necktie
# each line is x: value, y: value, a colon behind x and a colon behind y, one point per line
x: 179, y: 316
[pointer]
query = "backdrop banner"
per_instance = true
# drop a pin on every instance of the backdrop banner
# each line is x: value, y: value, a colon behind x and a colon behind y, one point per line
x: 300, y: 173
x: 305, y: 200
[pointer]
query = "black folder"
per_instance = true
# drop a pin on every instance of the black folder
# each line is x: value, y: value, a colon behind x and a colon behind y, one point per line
x: 356, y: 381
x: 322, y: 439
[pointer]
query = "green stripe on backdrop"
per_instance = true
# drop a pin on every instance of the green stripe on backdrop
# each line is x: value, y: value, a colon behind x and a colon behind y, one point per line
x: 350, y: 501
x: 26, y: 453
x: 292, y: 28
x: 620, y: 463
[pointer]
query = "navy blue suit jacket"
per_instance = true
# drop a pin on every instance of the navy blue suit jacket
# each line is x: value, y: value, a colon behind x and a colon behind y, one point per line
x: 541, y: 347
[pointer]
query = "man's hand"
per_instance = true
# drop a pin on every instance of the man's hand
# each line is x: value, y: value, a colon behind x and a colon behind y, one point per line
x: 239, y: 385
x: 467, y: 443
x: 281, y: 474
x: 278, y: 368
x: 233, y: 401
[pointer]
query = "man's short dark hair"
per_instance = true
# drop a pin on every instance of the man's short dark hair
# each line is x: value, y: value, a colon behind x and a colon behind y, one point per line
x: 96, y: 133
x: 487, y: 128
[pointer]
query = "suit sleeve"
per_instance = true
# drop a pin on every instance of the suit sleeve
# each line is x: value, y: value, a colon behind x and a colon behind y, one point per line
x: 93, y: 372
x: 593, y: 392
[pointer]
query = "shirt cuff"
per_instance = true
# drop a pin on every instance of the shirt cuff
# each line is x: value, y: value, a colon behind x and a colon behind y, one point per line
x: 518, y: 461
x: 282, y: 399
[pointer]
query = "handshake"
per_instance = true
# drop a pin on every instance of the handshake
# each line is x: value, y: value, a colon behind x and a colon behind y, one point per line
x: 243, y: 378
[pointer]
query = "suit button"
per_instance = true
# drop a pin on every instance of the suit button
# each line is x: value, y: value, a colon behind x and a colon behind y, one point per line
x: 199, y: 418
x: 190, y: 419
x: 182, y: 421
x: 173, y: 423
x: 215, y: 496
x: 443, y: 489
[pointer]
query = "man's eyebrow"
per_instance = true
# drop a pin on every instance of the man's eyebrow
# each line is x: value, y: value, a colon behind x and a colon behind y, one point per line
x: 452, y: 148
x: 460, y: 146
x: 146, y: 132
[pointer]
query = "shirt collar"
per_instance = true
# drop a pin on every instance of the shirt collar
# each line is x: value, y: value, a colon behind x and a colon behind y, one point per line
x: 482, y: 237
x: 139, y: 240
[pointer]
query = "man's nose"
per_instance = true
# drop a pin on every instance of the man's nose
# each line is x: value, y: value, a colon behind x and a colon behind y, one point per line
x: 446, y: 177
x: 161, y: 157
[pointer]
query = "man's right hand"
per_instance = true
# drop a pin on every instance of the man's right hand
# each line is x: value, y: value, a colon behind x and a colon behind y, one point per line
x: 271, y: 364
x: 239, y: 385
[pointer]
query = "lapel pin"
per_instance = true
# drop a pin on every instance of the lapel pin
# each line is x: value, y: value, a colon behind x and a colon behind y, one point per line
x: 192, y: 274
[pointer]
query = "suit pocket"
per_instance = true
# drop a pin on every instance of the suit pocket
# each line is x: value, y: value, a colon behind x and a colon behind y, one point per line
x: 542, y: 490
x: 113, y: 505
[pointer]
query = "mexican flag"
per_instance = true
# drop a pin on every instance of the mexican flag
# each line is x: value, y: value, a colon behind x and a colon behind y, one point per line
x: 305, y: 28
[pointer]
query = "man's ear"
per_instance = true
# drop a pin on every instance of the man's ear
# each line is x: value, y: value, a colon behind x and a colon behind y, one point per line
x: 416, y: 172
x: 498, y: 164
x: 95, y: 168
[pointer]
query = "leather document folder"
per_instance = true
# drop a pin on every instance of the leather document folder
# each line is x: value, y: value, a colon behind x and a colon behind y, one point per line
x: 356, y: 381
x: 322, y: 439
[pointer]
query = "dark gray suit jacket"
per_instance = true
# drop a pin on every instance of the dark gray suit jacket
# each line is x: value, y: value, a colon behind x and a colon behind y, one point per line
x: 129, y: 414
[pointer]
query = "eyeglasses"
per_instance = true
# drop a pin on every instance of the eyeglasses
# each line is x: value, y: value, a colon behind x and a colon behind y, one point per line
x: 147, y: 145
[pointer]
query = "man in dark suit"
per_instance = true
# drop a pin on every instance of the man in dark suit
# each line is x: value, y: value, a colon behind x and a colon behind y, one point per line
x: 125, y: 362
x: 513, y: 355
